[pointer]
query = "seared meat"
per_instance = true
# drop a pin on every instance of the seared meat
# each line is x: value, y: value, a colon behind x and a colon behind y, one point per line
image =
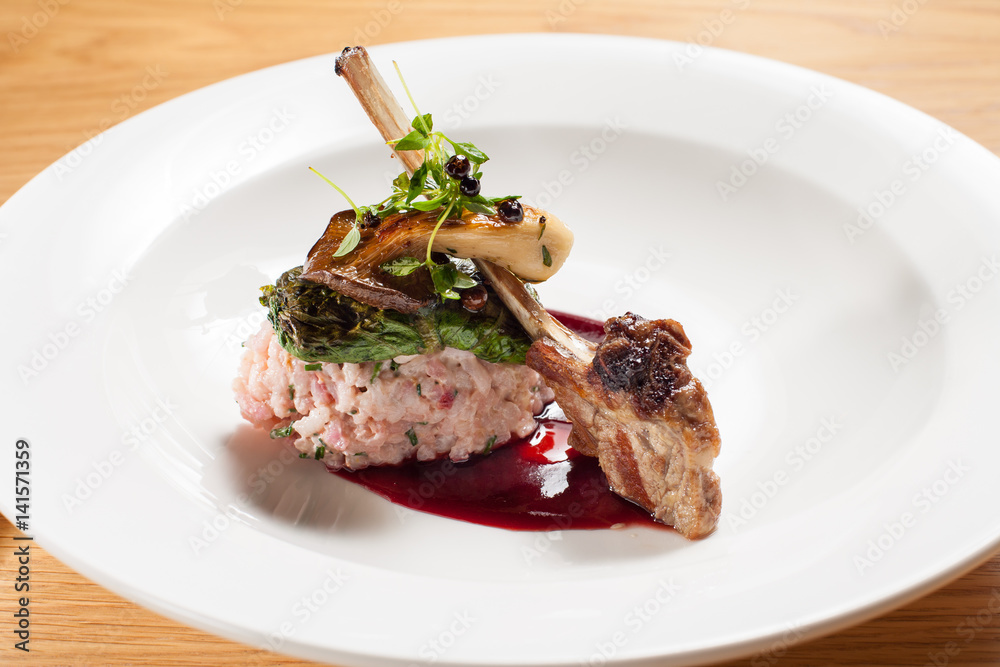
x: 632, y: 400
x: 533, y: 248
x: 634, y: 405
x: 647, y: 419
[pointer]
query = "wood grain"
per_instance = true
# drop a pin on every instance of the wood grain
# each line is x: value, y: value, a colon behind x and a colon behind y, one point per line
x: 69, y: 68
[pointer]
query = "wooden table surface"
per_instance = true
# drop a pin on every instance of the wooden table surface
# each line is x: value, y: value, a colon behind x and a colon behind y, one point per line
x: 68, y: 67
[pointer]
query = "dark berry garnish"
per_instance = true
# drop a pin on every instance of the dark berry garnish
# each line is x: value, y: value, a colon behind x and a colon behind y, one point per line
x: 469, y: 186
x: 474, y: 298
x: 458, y: 166
x: 370, y: 220
x: 510, y: 210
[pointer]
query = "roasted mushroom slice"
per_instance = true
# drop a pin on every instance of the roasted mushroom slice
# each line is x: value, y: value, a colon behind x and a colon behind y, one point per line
x: 533, y: 248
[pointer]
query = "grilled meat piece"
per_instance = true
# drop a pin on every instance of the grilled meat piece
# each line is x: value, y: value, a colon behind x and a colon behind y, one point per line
x: 632, y: 400
x: 634, y: 405
x: 638, y: 409
x: 534, y: 246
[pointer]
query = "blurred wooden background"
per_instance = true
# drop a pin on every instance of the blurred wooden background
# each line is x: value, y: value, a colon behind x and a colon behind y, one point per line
x: 68, y: 69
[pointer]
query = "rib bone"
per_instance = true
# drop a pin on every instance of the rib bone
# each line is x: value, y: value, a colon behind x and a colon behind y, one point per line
x: 534, y: 248
x: 633, y: 402
x: 379, y: 103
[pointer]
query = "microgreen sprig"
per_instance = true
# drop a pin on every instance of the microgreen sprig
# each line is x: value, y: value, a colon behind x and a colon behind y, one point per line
x: 430, y: 188
x: 353, y: 237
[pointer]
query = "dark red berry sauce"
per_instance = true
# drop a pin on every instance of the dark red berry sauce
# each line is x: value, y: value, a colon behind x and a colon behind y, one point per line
x: 536, y: 483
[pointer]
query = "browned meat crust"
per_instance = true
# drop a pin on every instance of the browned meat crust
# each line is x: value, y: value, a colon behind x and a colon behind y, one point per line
x: 647, y: 419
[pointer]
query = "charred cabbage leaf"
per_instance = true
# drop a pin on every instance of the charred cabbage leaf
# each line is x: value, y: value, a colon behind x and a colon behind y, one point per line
x: 315, y: 323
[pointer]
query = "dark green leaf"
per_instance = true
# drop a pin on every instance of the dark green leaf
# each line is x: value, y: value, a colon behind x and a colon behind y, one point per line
x: 350, y: 242
x: 283, y: 432
x: 314, y: 323
x: 402, y: 266
x: 444, y: 281
x: 489, y: 444
x: 412, y: 435
x: 376, y: 371
x: 417, y: 182
x: 435, y: 175
x: 412, y: 142
x: 314, y: 367
x: 444, y: 277
x: 546, y: 257
x: 320, y: 452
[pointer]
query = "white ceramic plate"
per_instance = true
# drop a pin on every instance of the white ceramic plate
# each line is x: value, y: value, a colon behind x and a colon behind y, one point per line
x: 853, y: 480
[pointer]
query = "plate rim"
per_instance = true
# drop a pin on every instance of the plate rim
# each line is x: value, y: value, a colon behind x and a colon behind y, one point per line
x: 723, y: 651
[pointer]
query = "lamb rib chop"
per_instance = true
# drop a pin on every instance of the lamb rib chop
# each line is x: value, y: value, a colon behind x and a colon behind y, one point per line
x: 633, y: 402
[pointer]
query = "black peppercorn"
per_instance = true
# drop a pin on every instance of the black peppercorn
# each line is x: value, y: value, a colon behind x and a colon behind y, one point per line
x: 510, y: 210
x: 458, y: 166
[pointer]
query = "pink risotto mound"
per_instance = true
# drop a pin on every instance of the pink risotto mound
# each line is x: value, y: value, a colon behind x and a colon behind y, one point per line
x: 356, y: 415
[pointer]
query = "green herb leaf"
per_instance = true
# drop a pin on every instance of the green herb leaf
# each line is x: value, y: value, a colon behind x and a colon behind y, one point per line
x: 444, y: 277
x: 401, y: 266
x: 412, y: 435
x: 541, y: 226
x: 378, y: 369
x: 423, y: 124
x: 316, y: 324
x: 350, y: 242
x: 489, y: 445
x: 417, y: 182
x: 314, y: 367
x: 476, y: 207
x: 469, y: 151
x: 402, y: 182
x: 393, y: 366
x: 435, y: 175
x: 303, y: 455
x: 419, y: 390
x: 414, y: 141
x: 291, y: 392
x: 463, y: 281
x: 320, y: 452
x: 431, y: 204
x: 283, y: 432
x: 546, y: 257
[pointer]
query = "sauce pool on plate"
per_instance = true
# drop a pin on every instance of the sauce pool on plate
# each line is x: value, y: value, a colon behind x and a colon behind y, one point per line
x: 535, y: 483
